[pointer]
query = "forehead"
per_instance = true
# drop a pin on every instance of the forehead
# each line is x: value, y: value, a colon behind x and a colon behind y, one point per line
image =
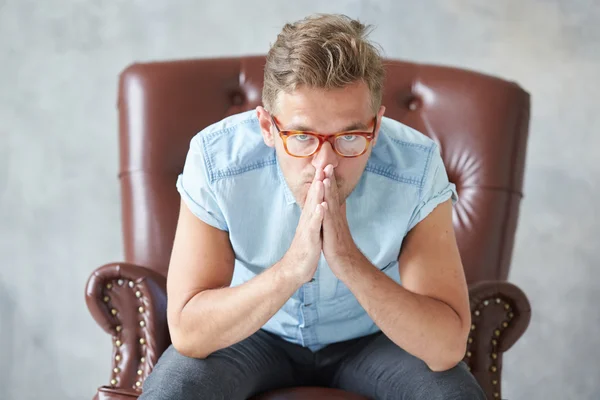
x: 325, y: 110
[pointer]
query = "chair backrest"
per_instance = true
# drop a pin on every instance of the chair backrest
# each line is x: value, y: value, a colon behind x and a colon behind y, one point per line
x: 480, y: 122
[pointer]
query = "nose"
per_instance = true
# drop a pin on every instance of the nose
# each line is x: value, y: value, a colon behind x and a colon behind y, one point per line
x: 325, y: 155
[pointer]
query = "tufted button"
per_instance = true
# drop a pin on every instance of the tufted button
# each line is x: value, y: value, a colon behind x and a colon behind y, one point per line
x: 414, y: 104
x: 237, y: 99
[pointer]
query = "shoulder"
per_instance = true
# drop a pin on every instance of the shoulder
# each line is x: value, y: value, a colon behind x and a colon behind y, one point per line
x: 233, y: 146
x: 402, y: 153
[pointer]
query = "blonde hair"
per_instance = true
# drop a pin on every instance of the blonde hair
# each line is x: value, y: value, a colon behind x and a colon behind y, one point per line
x: 324, y: 51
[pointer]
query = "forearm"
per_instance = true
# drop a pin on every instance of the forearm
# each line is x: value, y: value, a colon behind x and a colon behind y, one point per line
x: 423, y: 326
x: 218, y: 318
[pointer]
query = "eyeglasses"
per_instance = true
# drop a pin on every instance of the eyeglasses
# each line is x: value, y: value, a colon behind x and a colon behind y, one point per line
x: 304, y: 144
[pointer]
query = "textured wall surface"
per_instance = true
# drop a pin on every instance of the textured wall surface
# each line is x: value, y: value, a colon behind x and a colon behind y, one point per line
x: 59, y: 204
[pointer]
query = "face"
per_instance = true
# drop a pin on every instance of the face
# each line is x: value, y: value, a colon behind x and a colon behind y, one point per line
x: 326, y: 112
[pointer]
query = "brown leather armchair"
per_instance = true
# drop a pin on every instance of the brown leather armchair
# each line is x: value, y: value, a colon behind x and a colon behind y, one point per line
x: 480, y: 122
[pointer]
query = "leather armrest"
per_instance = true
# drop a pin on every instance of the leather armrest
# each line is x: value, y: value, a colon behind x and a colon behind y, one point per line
x: 500, y: 314
x: 130, y: 303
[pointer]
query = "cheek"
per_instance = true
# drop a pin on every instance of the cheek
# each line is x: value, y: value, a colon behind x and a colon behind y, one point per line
x: 349, y: 170
x: 296, y: 170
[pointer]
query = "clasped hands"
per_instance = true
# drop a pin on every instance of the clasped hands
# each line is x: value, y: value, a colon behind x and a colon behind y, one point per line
x: 323, y: 226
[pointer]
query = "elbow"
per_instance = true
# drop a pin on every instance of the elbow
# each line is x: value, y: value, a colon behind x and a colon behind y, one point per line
x: 453, y: 351
x: 442, y: 365
x: 448, y: 359
x: 184, y: 342
x: 189, y: 348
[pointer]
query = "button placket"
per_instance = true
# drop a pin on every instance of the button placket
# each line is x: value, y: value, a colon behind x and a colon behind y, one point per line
x: 308, y: 304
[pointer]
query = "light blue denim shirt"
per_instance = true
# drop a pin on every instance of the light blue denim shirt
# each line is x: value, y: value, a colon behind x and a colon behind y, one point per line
x: 232, y: 181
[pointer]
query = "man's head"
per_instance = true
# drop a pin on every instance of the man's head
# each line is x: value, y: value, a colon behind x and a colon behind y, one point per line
x: 322, y: 76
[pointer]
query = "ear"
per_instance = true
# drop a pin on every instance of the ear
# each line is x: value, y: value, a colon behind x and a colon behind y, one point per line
x: 379, y: 117
x: 264, y: 120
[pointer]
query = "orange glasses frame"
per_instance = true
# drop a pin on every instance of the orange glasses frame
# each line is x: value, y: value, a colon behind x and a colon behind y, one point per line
x: 285, y: 134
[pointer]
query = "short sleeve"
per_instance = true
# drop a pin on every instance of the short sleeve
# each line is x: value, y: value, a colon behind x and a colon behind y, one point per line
x: 196, y: 190
x: 436, y: 188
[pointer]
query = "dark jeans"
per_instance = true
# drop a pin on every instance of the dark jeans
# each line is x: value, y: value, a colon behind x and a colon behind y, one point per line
x: 372, y: 366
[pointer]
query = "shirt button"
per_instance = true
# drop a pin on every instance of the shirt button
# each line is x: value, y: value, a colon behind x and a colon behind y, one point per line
x: 308, y: 305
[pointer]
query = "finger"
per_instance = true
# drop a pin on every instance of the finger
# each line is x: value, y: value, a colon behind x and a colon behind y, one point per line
x: 315, y: 193
x: 329, y: 189
x: 329, y: 174
x: 317, y: 196
x: 319, y: 192
x: 332, y: 178
x: 319, y: 174
x: 317, y: 219
x: 311, y: 195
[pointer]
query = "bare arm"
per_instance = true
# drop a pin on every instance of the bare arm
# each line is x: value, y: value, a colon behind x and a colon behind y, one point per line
x: 204, y: 313
x: 428, y: 316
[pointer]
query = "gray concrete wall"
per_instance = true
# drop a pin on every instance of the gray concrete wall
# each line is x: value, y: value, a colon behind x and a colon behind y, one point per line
x: 59, y: 204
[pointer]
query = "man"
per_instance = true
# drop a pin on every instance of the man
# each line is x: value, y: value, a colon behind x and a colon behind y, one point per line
x: 315, y: 243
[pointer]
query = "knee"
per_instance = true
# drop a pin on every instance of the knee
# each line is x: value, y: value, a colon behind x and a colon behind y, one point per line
x: 176, y: 376
x: 455, y: 384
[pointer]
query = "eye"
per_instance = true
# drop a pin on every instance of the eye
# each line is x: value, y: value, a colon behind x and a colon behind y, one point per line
x: 349, y: 138
x: 302, y: 138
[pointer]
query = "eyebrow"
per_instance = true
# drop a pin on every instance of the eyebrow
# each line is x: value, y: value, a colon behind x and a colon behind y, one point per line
x: 352, y: 127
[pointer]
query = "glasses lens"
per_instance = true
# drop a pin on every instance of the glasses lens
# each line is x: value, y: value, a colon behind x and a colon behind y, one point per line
x: 350, y: 145
x: 302, y: 145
